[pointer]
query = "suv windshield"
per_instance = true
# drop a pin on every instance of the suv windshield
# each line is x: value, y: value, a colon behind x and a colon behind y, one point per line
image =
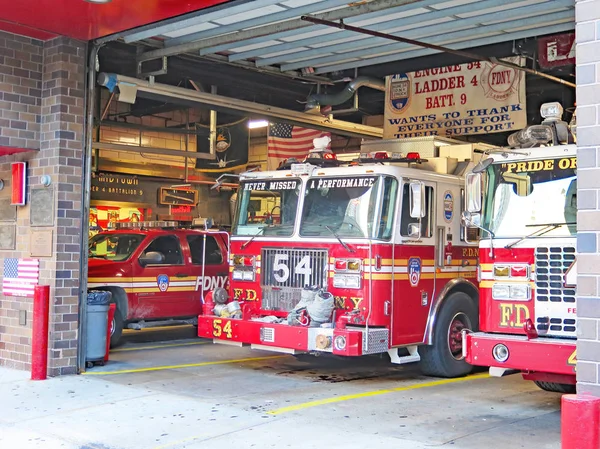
x: 115, y: 247
x: 349, y: 207
x: 523, y: 197
x: 266, y: 207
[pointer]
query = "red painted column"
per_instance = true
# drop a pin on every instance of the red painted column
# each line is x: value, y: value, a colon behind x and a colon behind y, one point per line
x: 39, y: 338
x: 580, y: 422
x: 111, y: 316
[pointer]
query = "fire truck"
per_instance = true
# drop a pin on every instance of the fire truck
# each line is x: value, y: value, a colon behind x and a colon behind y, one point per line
x: 523, y: 199
x: 351, y: 258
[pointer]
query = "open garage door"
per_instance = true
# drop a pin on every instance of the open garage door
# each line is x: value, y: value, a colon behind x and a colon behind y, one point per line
x: 169, y: 85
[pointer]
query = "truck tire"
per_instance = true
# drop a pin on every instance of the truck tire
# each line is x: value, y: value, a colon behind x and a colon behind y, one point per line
x: 117, y: 329
x: 556, y: 388
x: 444, y: 357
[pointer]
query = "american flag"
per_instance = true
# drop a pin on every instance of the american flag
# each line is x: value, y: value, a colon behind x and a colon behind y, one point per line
x: 20, y: 276
x: 285, y: 141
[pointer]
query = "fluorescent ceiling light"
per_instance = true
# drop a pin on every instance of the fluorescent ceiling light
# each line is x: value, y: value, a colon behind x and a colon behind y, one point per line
x: 253, y: 124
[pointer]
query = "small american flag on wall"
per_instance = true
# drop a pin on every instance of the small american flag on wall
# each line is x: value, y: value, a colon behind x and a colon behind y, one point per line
x: 20, y: 276
x: 285, y: 141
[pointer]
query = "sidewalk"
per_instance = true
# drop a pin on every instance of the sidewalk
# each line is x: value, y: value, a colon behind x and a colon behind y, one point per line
x: 88, y: 412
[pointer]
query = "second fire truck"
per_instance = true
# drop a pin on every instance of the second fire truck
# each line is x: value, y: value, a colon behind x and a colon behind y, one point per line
x: 350, y: 259
x: 528, y: 214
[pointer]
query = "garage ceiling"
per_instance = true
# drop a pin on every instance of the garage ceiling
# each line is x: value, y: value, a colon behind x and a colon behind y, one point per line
x: 269, y: 34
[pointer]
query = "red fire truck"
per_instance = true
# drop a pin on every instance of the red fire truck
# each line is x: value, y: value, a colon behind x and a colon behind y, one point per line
x: 378, y: 241
x: 527, y: 274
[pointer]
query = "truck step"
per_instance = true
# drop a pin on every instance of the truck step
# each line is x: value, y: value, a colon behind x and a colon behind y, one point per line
x: 147, y: 324
x: 413, y: 355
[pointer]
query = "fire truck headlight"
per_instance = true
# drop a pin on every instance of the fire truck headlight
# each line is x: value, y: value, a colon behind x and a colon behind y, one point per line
x: 237, y: 275
x: 346, y: 280
x: 500, y: 353
x: 501, y: 291
x: 248, y: 275
x: 339, y: 343
x: 519, y: 291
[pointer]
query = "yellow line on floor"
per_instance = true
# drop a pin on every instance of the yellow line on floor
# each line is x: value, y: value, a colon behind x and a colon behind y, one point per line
x: 367, y: 394
x: 157, y: 328
x: 187, y: 365
x: 143, y: 348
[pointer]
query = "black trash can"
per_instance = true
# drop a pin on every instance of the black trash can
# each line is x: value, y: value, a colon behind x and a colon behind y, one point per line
x: 98, y: 303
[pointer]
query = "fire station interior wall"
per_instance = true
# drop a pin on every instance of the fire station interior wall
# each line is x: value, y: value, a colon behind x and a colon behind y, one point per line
x: 42, y: 108
x: 587, y: 15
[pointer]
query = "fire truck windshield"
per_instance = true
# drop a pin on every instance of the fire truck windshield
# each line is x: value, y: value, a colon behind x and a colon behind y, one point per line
x: 117, y: 247
x: 266, y: 207
x: 522, y: 196
x: 353, y: 207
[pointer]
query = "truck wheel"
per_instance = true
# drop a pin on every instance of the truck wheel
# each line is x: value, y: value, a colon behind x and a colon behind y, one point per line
x: 117, y: 329
x: 556, y: 388
x: 444, y: 357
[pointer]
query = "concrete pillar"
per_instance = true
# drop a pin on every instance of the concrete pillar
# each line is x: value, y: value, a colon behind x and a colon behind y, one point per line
x: 42, y: 107
x: 588, y: 198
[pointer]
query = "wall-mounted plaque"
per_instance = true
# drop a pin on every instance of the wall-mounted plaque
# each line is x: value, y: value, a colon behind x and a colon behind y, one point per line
x: 41, y: 207
x: 41, y: 243
x: 177, y: 197
x: 7, y: 212
x: 8, y: 236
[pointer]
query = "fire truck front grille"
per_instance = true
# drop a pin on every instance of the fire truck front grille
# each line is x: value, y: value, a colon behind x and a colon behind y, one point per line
x: 285, y: 272
x: 554, y: 303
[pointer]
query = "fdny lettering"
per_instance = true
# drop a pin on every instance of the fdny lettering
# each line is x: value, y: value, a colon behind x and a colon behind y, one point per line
x: 244, y: 294
x: 340, y: 302
x: 210, y: 283
x: 543, y: 165
x: 470, y: 252
x: 513, y: 315
x: 272, y: 185
x: 342, y: 183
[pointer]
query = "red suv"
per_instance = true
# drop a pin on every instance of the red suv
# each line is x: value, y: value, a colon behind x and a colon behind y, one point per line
x: 157, y: 275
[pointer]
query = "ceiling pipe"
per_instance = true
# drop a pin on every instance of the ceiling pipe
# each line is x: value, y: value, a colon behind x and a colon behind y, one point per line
x: 317, y: 100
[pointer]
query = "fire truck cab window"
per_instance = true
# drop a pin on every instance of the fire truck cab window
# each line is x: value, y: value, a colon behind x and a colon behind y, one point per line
x: 116, y: 247
x: 266, y: 207
x: 521, y: 198
x: 169, y: 247
x: 213, y: 253
x: 406, y: 220
x: 349, y: 207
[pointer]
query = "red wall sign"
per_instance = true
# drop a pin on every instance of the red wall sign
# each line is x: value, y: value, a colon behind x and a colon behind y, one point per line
x: 557, y: 50
x: 18, y: 183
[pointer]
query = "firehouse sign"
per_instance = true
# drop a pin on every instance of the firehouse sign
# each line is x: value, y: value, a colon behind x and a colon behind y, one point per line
x: 557, y: 50
x: 473, y: 98
x: 414, y: 271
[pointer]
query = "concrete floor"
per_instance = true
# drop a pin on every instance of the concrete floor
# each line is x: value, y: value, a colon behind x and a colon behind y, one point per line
x: 168, y: 389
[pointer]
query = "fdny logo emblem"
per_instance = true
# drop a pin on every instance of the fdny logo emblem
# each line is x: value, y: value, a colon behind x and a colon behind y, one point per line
x: 163, y: 282
x: 414, y: 271
x: 399, y: 92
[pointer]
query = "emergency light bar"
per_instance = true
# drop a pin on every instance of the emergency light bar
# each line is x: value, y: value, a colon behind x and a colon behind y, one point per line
x: 144, y: 224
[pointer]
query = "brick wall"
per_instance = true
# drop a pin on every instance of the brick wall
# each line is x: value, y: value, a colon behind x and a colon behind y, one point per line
x: 588, y: 187
x: 42, y: 89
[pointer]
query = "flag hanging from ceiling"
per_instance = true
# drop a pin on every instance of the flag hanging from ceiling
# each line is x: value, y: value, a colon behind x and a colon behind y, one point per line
x: 20, y: 276
x: 285, y: 141
x: 231, y: 148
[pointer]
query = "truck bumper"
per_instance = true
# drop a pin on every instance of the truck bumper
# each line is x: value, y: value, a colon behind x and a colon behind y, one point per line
x: 293, y: 339
x: 543, y: 355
